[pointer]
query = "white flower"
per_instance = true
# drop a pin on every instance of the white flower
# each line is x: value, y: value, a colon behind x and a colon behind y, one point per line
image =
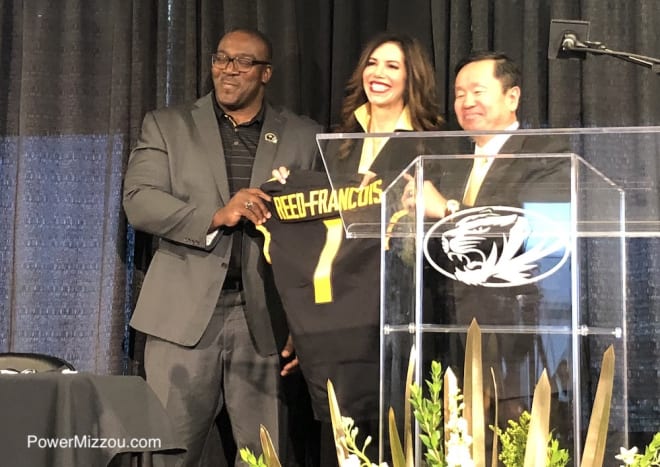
x: 459, y: 456
x: 462, y: 425
x: 347, y: 421
x: 627, y: 455
x: 351, y: 461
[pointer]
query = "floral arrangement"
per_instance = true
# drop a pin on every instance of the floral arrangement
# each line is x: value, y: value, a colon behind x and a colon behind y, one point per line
x: 460, y: 441
x: 268, y: 458
x: 514, y: 439
x: 650, y: 458
x: 428, y: 412
x: 356, y: 457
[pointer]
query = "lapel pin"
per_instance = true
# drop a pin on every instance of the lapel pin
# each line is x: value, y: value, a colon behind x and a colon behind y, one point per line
x: 271, y: 138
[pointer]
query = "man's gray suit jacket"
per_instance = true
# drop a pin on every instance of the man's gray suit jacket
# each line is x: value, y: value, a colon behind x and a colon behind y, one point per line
x: 175, y: 182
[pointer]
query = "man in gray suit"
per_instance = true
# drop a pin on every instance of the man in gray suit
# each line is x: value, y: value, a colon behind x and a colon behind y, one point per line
x: 213, y: 319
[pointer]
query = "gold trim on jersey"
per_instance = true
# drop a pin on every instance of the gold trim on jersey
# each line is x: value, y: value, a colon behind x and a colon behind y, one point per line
x: 266, y: 233
x: 323, y: 271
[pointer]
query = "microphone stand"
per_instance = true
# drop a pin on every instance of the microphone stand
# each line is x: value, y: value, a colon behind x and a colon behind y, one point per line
x: 598, y: 48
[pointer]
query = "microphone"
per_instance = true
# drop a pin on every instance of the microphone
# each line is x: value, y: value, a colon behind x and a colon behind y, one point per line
x: 571, y: 42
x: 567, y: 38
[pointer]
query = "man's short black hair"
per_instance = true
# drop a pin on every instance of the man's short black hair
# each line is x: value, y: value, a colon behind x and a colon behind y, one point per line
x: 260, y: 36
x: 506, y: 70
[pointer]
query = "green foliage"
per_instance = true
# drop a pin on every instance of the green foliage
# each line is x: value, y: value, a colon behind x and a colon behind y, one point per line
x: 514, y: 440
x: 557, y: 457
x: 250, y: 459
x: 428, y: 412
x: 651, y: 456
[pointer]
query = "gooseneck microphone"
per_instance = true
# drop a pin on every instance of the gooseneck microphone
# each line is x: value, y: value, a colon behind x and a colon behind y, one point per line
x: 571, y: 42
x: 570, y: 39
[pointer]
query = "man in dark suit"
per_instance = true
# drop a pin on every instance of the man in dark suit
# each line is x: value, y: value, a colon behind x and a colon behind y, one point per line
x: 213, y: 319
x: 487, y: 94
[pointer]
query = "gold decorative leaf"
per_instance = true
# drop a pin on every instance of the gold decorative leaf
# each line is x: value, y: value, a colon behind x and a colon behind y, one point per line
x: 496, y: 439
x: 407, y: 415
x: 594, y: 446
x: 473, y: 393
x: 451, y: 391
x: 398, y: 459
x: 337, y: 427
x: 270, y: 456
x: 536, y: 448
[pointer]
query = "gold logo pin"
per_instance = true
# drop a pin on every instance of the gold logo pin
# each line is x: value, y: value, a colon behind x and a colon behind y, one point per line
x: 271, y: 138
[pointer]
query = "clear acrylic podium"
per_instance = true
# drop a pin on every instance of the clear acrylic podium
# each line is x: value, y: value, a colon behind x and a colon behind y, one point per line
x: 539, y: 258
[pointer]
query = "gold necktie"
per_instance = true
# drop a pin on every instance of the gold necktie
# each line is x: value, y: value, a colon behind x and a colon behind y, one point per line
x: 479, y: 169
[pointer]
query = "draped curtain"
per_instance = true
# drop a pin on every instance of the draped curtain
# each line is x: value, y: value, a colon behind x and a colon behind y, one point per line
x: 77, y: 76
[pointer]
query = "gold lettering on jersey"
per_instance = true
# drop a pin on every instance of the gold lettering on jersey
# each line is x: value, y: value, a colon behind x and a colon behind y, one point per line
x: 296, y: 206
x: 290, y: 206
x: 346, y: 199
x: 333, y: 201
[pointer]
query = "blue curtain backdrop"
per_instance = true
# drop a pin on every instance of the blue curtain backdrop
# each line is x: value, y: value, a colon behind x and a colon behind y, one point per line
x: 77, y: 76
x: 62, y: 263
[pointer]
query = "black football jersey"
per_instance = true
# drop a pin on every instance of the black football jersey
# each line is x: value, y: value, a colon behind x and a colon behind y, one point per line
x: 329, y: 286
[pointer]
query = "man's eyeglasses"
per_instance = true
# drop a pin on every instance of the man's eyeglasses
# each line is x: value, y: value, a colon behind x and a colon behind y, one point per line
x: 241, y: 63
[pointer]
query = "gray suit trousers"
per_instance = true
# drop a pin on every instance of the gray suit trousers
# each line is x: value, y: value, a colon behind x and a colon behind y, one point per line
x: 223, y: 369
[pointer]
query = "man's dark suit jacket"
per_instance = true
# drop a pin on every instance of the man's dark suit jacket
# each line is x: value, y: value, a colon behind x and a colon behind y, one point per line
x: 176, y: 180
x: 513, y: 180
x: 509, y: 182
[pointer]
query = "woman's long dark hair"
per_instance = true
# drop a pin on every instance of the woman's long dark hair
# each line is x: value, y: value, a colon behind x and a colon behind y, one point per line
x: 419, y: 95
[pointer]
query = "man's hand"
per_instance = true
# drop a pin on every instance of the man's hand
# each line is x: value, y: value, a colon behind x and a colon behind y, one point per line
x: 367, y: 178
x: 291, y: 366
x: 248, y: 203
x: 435, y: 204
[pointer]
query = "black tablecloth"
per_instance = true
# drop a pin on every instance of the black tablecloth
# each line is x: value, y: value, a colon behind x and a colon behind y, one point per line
x: 80, y: 412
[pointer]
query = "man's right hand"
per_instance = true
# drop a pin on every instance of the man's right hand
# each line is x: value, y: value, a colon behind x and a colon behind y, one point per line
x: 248, y: 203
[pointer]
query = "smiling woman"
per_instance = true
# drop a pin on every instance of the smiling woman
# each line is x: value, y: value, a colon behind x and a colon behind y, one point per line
x: 391, y: 89
x: 384, y: 80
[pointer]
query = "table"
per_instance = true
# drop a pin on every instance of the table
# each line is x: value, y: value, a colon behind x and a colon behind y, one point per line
x: 79, y: 419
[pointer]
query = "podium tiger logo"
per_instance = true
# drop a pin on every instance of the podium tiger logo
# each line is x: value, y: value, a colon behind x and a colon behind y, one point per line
x: 497, y: 246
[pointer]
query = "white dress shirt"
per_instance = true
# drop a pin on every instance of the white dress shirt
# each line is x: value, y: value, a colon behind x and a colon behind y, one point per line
x: 481, y: 165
